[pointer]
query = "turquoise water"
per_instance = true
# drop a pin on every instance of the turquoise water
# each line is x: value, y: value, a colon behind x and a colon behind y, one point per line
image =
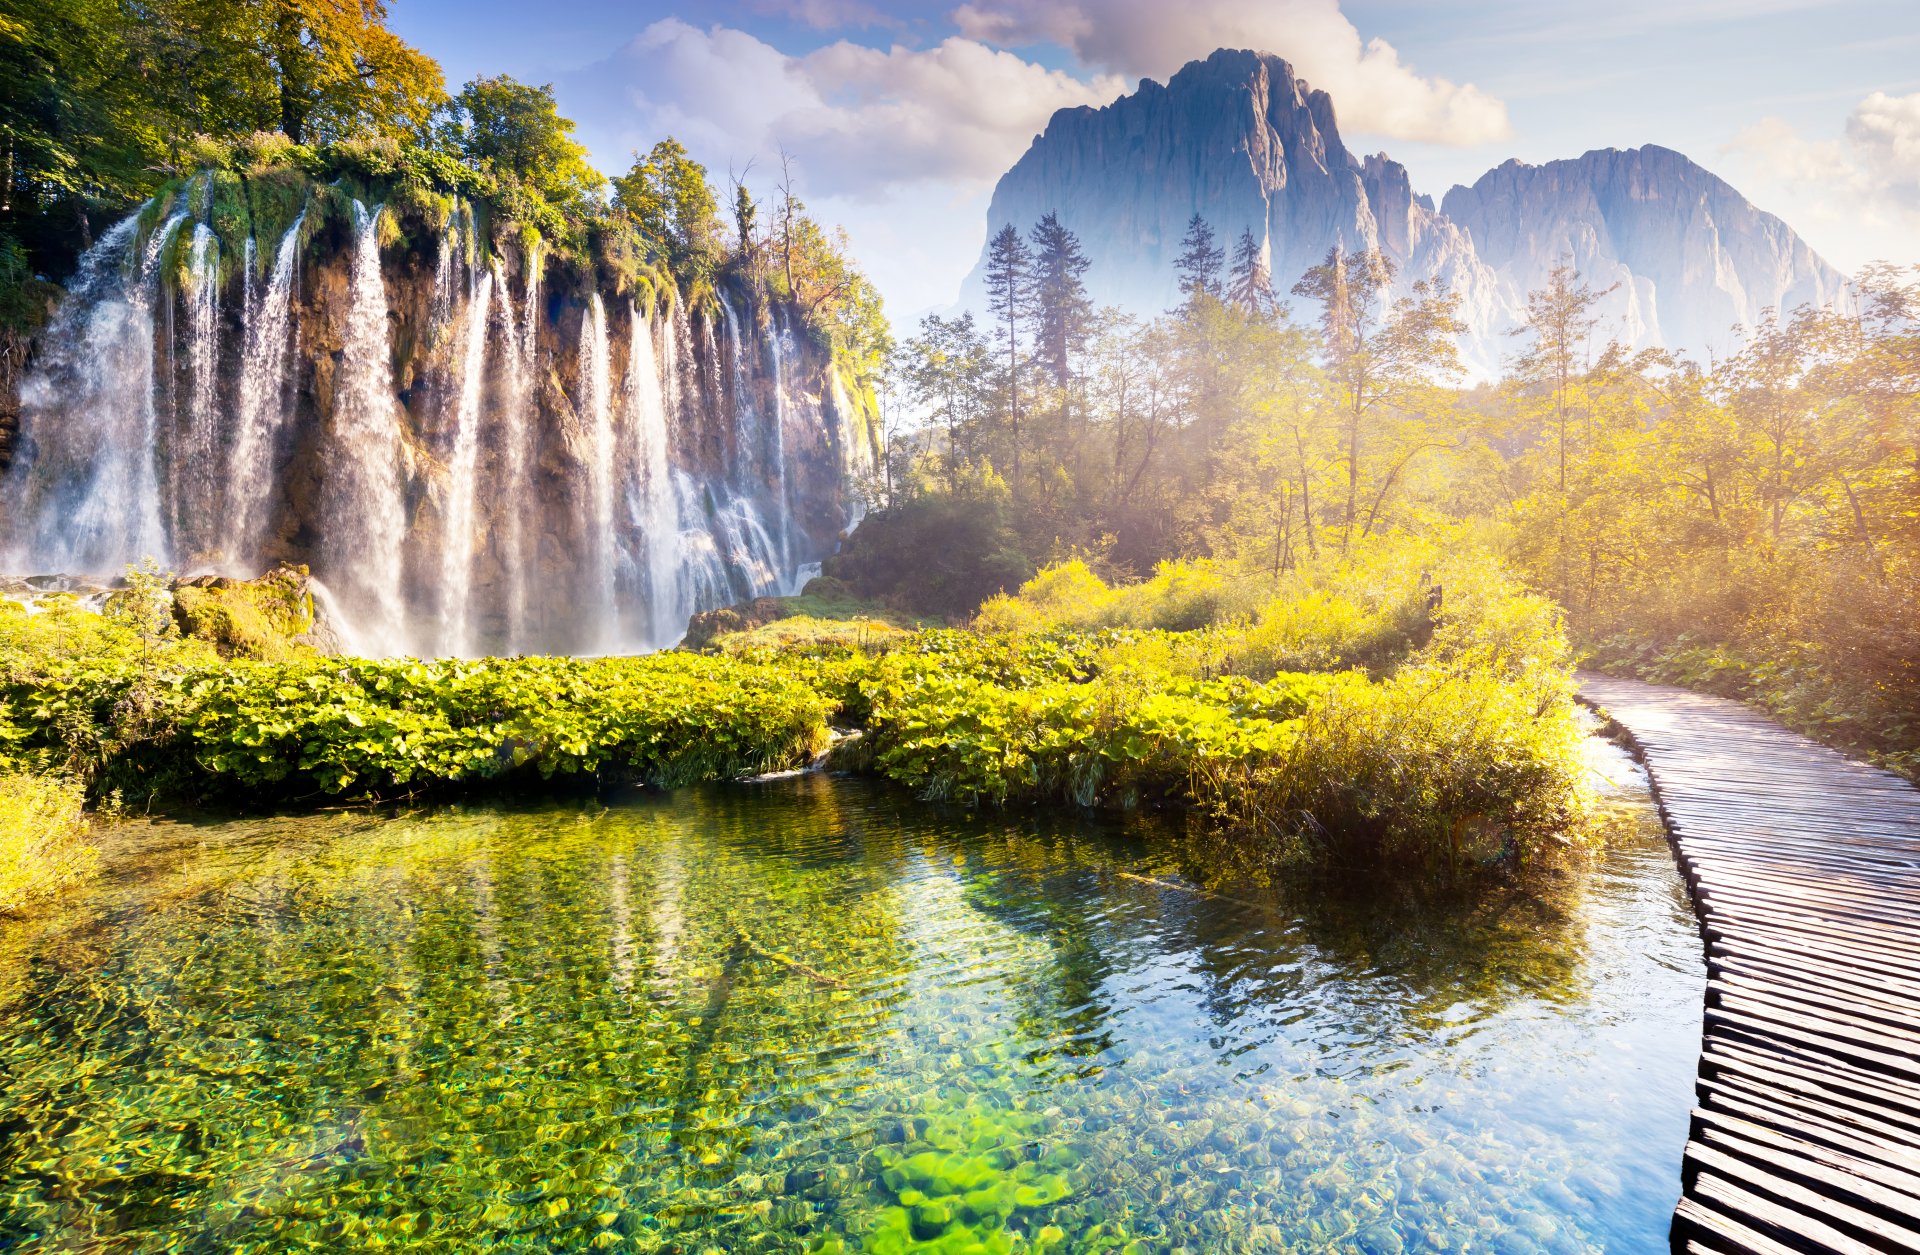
x: 814, y: 1014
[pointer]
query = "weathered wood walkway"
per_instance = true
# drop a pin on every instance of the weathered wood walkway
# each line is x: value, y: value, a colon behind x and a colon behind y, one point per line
x: 1805, y: 870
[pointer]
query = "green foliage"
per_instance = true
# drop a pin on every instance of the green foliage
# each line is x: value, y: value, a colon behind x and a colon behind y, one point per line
x: 669, y: 202
x: 294, y: 730
x: 1461, y: 751
x: 514, y: 134
x: 43, y: 831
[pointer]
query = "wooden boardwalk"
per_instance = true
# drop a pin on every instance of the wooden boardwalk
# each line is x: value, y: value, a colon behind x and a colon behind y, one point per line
x: 1805, y: 870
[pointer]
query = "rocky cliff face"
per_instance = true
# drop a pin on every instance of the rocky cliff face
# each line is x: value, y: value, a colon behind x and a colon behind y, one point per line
x: 1241, y: 140
x: 1691, y: 255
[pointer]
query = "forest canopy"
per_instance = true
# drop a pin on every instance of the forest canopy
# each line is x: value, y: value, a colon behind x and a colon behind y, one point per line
x: 102, y: 102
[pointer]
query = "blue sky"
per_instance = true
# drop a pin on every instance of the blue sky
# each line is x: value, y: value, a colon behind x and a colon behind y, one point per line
x: 900, y: 113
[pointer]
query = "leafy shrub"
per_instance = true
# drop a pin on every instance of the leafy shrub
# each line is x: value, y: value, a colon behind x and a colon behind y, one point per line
x: 1434, y: 765
x: 271, y: 151
x: 43, y: 831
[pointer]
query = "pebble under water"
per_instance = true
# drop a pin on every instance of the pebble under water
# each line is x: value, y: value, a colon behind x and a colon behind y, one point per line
x: 813, y: 1014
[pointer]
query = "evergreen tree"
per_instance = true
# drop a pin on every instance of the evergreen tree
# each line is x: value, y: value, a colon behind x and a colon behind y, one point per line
x: 1010, y: 297
x: 1200, y: 260
x: 1249, y: 285
x: 746, y: 216
x: 1062, y: 311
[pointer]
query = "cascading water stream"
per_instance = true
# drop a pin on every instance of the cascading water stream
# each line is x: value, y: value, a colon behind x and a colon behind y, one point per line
x: 779, y: 345
x: 263, y: 411
x: 652, y: 511
x: 746, y: 425
x: 522, y: 337
x: 93, y: 502
x: 366, y: 512
x: 459, y: 541
x: 196, y: 431
x: 596, y: 387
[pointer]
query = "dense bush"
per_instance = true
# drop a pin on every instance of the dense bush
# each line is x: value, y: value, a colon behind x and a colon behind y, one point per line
x: 145, y: 715
x: 1352, y: 717
x: 1405, y: 708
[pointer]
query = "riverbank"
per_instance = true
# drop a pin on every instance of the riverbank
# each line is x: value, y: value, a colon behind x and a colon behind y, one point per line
x: 1379, y: 716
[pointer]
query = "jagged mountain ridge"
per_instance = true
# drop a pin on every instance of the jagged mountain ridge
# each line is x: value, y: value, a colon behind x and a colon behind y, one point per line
x: 1243, y: 141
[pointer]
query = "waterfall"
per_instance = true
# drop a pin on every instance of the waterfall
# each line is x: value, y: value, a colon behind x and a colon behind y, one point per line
x: 194, y: 480
x: 263, y: 411
x: 366, y: 513
x: 458, y: 477
x: 652, y: 510
x: 746, y: 425
x: 522, y: 339
x: 459, y: 540
x: 596, y: 524
x: 779, y: 346
x: 91, y: 497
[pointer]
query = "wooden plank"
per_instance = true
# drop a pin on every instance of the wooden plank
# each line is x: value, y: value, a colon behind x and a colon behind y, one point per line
x: 1748, y: 1208
x: 1888, y: 1163
x: 1775, y: 1173
x: 1805, y: 875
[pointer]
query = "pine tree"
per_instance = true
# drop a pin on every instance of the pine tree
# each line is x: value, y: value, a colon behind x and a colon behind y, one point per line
x: 1062, y: 311
x: 1010, y: 297
x: 1201, y: 258
x: 1249, y: 285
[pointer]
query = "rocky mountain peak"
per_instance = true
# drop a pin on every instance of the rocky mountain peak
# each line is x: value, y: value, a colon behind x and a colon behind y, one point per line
x: 1242, y: 140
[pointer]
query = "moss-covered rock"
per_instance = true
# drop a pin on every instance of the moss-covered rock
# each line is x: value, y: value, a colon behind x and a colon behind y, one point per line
x: 271, y: 618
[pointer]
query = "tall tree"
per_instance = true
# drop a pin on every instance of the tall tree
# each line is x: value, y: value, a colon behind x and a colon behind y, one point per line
x: 1561, y: 320
x: 1381, y: 358
x: 944, y: 370
x: 1249, y: 283
x: 1010, y: 298
x: 515, y: 130
x: 336, y: 68
x: 668, y: 198
x: 746, y: 215
x: 1062, y: 311
x: 1201, y: 258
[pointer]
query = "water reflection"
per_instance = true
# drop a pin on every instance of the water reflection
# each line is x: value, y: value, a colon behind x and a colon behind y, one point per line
x: 813, y: 1015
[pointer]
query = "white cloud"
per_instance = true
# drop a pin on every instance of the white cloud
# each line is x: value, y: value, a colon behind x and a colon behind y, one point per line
x: 1885, y: 133
x: 861, y: 120
x: 1859, y: 191
x: 1372, y: 90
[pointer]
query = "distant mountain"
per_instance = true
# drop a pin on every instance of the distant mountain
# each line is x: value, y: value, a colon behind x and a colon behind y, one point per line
x: 1241, y: 140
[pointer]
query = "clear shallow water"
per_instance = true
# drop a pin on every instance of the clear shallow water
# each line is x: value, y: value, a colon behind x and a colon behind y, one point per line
x: 813, y: 1014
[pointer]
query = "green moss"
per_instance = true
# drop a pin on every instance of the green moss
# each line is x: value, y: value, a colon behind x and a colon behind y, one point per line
x: 228, y: 212
x: 276, y: 197
x: 260, y: 619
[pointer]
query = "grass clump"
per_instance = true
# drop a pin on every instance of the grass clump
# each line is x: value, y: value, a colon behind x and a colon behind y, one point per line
x: 43, y: 839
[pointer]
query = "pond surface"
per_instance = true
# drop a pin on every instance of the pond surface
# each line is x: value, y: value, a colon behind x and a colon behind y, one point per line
x: 815, y: 1015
